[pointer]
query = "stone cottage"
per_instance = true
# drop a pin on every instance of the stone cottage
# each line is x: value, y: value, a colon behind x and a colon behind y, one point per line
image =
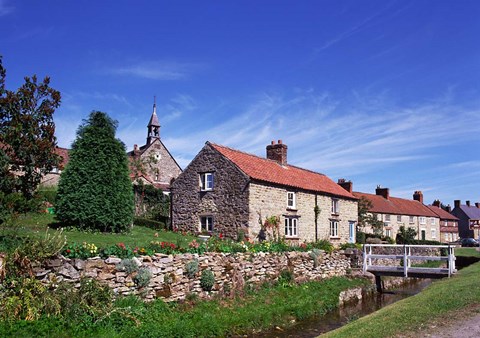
x: 152, y: 163
x: 469, y: 218
x: 448, y: 222
x: 226, y: 191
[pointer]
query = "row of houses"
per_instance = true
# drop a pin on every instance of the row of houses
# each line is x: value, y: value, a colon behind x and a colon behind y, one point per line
x: 228, y: 191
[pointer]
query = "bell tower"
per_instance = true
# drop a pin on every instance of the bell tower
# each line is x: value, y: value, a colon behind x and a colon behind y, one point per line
x: 153, y: 125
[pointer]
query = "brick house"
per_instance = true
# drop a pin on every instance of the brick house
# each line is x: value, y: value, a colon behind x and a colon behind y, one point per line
x: 53, y: 177
x: 469, y: 219
x: 395, y: 212
x: 448, y: 222
x: 152, y: 163
x: 224, y: 190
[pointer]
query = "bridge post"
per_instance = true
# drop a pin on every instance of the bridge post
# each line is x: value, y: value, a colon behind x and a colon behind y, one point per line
x: 378, y: 283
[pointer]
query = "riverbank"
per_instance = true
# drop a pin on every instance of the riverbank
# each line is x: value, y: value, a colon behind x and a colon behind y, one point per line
x: 420, y: 315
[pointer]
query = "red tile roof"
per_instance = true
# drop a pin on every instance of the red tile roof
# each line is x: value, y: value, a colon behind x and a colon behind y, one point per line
x: 266, y: 170
x: 396, y: 206
x: 64, y: 157
x: 442, y: 213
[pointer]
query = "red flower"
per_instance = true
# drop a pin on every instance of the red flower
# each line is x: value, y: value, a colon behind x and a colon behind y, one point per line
x: 220, y: 235
x: 68, y: 251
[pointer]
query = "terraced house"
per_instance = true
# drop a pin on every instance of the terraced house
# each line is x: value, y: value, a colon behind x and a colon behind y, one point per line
x: 226, y: 191
x: 395, y: 212
x: 448, y: 222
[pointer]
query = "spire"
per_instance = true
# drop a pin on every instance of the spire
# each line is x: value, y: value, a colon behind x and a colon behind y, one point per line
x: 153, y: 127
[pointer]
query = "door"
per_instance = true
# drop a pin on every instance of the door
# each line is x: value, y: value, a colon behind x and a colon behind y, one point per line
x: 423, y: 235
x: 351, y: 232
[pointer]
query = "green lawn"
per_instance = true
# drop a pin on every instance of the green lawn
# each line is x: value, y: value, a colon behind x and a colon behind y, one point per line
x: 467, y: 252
x: 37, y: 224
x: 439, y: 300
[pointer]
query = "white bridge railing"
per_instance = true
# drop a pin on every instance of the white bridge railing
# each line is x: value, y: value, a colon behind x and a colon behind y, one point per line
x: 407, y: 257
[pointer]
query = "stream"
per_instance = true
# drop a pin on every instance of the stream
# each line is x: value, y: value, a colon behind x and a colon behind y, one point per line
x: 317, y: 325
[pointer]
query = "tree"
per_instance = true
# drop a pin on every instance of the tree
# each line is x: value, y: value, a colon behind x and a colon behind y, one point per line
x: 95, y: 191
x: 27, y: 133
x: 406, y: 235
x: 367, y: 218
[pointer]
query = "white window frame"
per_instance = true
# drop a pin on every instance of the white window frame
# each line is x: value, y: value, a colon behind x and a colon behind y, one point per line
x: 433, y: 221
x: 388, y: 233
x: 399, y: 218
x: 445, y: 223
x: 335, y: 206
x: 411, y: 219
x: 291, y: 200
x: 387, y: 218
x: 333, y: 228
x: 434, y: 233
x: 205, y: 183
x: 422, y: 220
x: 291, y: 227
x: 208, y: 222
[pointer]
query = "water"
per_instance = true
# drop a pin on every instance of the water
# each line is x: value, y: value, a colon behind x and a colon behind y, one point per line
x: 341, y: 316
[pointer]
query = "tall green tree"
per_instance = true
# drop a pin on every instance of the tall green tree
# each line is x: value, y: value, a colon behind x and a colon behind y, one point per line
x: 95, y: 191
x: 367, y: 218
x: 27, y: 133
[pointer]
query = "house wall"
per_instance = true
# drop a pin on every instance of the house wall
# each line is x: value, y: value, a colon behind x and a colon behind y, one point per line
x: 158, y: 159
x: 267, y: 200
x: 394, y: 226
x: 227, y: 203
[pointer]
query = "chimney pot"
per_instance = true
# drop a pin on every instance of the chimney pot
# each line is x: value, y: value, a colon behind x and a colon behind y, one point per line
x: 468, y: 203
x: 347, y: 185
x: 457, y: 203
x: 385, y: 192
x: 477, y: 204
x: 272, y: 143
x: 448, y: 208
x: 279, y: 141
x: 437, y: 203
x: 135, y: 147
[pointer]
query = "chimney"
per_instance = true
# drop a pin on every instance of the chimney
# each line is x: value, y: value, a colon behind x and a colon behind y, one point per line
x: 456, y: 204
x: 347, y: 185
x: 448, y: 208
x: 277, y: 152
x: 436, y: 203
x: 135, y: 147
x: 477, y: 204
x: 385, y: 192
x: 418, y: 196
x: 467, y: 203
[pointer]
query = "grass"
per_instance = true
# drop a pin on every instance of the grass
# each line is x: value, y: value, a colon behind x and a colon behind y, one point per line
x: 467, y: 252
x: 35, y: 225
x: 259, y: 310
x: 438, y: 301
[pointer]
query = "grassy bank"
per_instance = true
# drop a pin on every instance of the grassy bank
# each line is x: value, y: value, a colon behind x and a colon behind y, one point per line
x: 260, y: 309
x: 410, y: 315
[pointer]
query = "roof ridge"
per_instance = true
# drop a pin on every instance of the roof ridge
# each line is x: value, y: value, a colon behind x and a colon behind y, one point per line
x: 265, y: 159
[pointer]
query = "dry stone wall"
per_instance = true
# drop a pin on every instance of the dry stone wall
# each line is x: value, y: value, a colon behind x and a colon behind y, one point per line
x: 170, y: 280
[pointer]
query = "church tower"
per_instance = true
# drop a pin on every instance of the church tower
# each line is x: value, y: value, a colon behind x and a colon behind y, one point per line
x: 153, y: 126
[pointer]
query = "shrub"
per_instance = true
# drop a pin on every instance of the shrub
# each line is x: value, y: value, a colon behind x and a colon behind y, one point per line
x: 127, y: 265
x: 142, y: 278
x: 207, y: 280
x: 149, y: 223
x: 95, y: 191
x: 191, y: 268
x: 360, y: 237
x: 322, y: 244
x: 315, y: 254
x: 47, y: 194
x: 83, y: 251
x: 285, y: 278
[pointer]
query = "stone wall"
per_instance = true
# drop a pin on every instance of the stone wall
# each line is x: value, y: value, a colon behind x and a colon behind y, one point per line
x: 171, y: 282
x: 267, y: 200
x: 227, y: 203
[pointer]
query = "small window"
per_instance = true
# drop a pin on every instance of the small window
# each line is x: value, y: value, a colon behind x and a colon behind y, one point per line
x: 335, y: 206
x: 291, y: 227
x: 388, y: 233
x: 399, y: 218
x: 157, y: 176
x: 445, y: 223
x: 422, y: 220
x: 206, y: 181
x: 206, y: 223
x: 434, y: 233
x: 432, y: 221
x: 387, y: 218
x: 291, y: 201
x: 333, y: 228
x: 411, y: 219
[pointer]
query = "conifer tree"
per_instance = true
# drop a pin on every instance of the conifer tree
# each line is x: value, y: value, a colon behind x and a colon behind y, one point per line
x: 95, y: 191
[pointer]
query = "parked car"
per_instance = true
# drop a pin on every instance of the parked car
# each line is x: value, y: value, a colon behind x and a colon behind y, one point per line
x: 469, y: 242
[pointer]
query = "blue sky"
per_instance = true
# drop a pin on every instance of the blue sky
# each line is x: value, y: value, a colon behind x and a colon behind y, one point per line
x: 378, y: 92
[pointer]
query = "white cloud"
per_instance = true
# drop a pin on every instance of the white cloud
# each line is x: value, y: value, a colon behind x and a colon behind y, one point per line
x: 5, y: 9
x: 158, y: 70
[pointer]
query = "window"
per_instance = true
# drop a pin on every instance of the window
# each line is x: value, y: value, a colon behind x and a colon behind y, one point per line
x: 388, y: 233
x: 206, y: 223
x: 434, y: 233
x: 335, y: 206
x: 422, y: 220
x: 387, y: 218
x: 445, y: 223
x: 432, y: 221
x: 206, y: 181
x: 411, y: 219
x: 157, y: 176
x: 291, y: 202
x: 399, y: 218
x: 291, y: 227
x: 333, y: 228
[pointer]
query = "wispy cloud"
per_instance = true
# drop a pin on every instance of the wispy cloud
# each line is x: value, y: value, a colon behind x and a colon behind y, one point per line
x: 5, y: 9
x: 158, y: 70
